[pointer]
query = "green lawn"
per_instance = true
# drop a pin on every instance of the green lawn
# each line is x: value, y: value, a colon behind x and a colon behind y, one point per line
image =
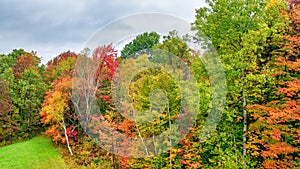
x: 37, y: 153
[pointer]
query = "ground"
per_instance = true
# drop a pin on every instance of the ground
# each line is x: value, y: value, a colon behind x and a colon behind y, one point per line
x: 37, y: 153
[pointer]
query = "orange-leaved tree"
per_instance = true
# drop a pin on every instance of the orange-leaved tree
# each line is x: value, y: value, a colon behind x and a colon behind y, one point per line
x: 57, y: 112
x: 275, y: 131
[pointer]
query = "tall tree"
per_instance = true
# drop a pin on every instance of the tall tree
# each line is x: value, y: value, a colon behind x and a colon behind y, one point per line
x: 30, y: 91
x: 93, y: 77
x: 275, y: 131
x: 57, y: 113
x: 26, y: 89
x: 244, y: 34
x: 156, y: 98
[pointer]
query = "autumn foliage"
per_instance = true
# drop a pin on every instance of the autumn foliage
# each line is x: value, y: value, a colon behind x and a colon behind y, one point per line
x: 275, y: 131
x: 259, y: 46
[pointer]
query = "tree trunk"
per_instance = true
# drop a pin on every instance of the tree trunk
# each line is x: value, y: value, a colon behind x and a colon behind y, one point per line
x: 170, y: 135
x: 140, y: 135
x: 67, y: 138
x: 244, y: 116
x: 155, y: 149
x: 142, y: 140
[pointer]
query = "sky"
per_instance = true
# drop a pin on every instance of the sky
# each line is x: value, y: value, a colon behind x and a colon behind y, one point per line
x: 51, y: 27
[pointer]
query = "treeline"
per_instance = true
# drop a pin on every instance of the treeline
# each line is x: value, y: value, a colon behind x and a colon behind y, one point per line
x: 258, y: 43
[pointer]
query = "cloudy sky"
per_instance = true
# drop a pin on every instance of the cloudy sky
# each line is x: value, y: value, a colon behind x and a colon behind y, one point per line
x: 51, y: 27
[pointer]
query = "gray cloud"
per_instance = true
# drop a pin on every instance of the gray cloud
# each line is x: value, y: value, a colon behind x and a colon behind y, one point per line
x: 51, y: 27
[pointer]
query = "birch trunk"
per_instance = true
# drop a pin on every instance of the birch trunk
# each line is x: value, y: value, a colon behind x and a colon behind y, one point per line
x: 67, y: 138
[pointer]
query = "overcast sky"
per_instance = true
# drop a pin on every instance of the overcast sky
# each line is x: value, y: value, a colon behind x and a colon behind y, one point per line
x: 51, y: 27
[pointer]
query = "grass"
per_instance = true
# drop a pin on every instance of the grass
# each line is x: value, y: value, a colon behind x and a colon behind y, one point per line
x: 37, y: 153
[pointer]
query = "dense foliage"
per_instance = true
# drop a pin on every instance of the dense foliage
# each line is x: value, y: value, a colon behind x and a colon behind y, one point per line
x: 258, y: 43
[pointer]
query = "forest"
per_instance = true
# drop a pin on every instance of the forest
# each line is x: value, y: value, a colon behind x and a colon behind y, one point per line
x: 258, y: 43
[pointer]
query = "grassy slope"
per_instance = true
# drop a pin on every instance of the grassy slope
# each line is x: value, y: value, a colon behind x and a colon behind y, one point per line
x: 37, y: 153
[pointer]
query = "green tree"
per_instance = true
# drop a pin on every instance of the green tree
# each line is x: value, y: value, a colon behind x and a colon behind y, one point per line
x: 141, y: 43
x: 26, y: 89
x: 175, y: 45
x: 30, y: 91
x: 154, y: 92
